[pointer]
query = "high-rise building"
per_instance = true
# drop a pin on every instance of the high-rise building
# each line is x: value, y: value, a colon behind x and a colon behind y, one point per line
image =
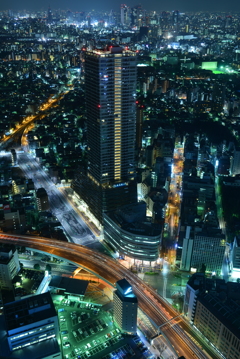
x: 235, y: 163
x: 42, y: 199
x: 110, y: 81
x: 9, y: 266
x: 125, y: 306
x: 124, y: 14
x: 49, y: 15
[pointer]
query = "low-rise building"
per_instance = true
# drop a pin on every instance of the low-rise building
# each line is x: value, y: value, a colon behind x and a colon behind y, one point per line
x: 128, y: 232
x: 30, y: 321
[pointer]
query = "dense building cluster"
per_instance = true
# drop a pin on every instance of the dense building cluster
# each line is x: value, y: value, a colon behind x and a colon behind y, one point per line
x: 135, y: 114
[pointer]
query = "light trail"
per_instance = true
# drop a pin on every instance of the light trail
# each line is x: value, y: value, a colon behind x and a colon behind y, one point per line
x: 151, y: 303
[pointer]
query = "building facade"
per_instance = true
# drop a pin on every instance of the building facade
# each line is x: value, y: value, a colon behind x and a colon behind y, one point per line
x: 110, y: 82
x: 125, y: 306
x: 42, y: 199
x: 235, y: 163
x: 129, y: 233
x: 9, y: 266
x: 203, y: 247
x: 212, y: 305
x: 219, y: 322
x: 235, y: 257
x: 31, y: 321
x: 193, y: 287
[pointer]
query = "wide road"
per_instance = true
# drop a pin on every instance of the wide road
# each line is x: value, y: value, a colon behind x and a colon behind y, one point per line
x: 51, y: 102
x: 178, y: 332
x: 75, y: 228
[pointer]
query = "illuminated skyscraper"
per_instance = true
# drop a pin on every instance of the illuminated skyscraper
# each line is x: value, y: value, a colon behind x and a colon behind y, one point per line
x: 110, y: 81
x: 124, y: 14
x: 49, y: 15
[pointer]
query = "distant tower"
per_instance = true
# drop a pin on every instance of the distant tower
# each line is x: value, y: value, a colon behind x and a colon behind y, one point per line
x: 175, y: 20
x: 124, y: 14
x: 111, y: 18
x: 49, y: 17
x: 175, y: 17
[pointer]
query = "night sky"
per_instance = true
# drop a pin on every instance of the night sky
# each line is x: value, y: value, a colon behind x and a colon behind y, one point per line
x: 158, y: 5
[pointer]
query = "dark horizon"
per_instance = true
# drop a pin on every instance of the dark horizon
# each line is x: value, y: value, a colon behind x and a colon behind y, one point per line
x: 106, y: 5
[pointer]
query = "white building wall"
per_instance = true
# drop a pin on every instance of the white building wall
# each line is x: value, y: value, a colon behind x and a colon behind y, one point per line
x: 187, y: 251
x: 190, y: 300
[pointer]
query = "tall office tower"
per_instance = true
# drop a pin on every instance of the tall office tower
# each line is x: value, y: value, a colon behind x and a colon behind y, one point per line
x: 175, y: 17
x: 124, y: 14
x: 125, y: 306
x: 110, y: 81
x: 49, y: 15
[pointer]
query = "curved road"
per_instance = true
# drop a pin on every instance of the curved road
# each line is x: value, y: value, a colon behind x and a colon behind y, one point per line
x: 179, y: 332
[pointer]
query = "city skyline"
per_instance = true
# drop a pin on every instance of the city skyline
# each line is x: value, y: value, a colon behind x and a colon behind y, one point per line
x: 120, y: 155
x: 152, y: 5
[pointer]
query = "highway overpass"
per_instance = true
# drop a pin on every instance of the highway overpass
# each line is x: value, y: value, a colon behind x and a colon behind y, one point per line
x: 179, y: 333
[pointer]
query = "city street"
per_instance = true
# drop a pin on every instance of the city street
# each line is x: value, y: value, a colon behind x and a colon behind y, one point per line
x: 179, y: 333
x: 167, y: 283
x: 75, y: 228
x: 174, y: 202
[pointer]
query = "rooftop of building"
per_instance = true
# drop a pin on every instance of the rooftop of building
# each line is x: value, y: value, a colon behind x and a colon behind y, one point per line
x: 130, y: 298
x: 124, y: 291
x: 132, y: 218
x: 123, y: 284
x: 28, y: 310
x: 69, y: 285
x: 41, y: 192
x: 225, y: 309
x: 111, y: 50
x: 36, y: 351
x: 6, y: 254
x: 218, y: 286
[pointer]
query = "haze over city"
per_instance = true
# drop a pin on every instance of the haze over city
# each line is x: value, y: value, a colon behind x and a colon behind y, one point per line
x: 106, y: 5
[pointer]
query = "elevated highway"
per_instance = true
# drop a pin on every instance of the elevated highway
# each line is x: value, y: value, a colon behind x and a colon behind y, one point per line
x: 179, y: 333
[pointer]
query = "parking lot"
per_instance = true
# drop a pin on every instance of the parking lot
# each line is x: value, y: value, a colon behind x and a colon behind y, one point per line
x: 86, y: 330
